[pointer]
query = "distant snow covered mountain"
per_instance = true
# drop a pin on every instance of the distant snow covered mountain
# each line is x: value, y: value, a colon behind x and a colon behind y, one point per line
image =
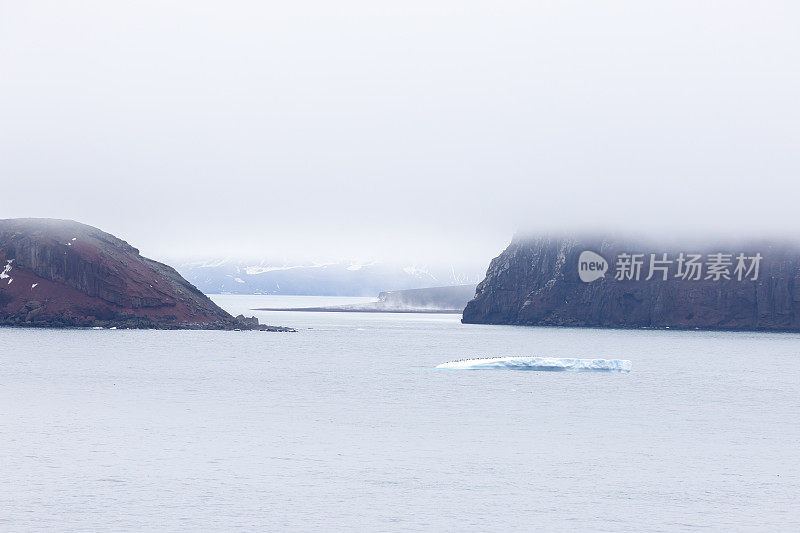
x: 344, y: 278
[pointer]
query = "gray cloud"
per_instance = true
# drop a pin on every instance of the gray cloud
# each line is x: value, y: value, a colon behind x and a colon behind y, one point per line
x: 424, y: 129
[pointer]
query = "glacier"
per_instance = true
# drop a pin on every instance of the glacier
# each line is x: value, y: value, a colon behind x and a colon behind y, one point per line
x: 540, y: 363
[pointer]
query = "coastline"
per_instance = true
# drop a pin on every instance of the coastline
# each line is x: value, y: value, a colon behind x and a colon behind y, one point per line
x: 358, y: 310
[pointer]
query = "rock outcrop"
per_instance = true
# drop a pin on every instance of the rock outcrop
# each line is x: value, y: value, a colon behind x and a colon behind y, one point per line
x: 435, y: 298
x: 605, y: 283
x: 60, y: 273
x: 450, y: 300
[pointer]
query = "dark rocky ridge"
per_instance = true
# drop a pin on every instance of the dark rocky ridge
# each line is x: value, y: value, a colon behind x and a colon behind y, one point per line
x: 449, y: 300
x: 60, y: 273
x: 535, y: 281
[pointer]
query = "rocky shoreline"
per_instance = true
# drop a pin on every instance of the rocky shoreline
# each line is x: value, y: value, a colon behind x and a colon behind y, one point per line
x: 360, y: 309
x: 239, y: 323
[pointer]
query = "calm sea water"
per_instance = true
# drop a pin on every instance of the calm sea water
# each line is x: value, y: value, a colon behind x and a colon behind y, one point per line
x: 345, y: 425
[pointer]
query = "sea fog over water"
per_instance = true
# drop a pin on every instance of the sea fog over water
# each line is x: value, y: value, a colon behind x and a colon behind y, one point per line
x: 384, y: 131
x: 346, y: 425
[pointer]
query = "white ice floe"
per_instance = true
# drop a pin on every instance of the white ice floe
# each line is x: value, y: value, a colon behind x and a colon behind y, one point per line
x: 540, y: 363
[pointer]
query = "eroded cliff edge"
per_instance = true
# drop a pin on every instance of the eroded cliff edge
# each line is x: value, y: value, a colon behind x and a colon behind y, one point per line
x: 60, y: 273
x: 536, y: 281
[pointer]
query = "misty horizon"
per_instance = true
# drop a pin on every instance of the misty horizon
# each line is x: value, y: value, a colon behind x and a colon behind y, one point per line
x: 432, y: 133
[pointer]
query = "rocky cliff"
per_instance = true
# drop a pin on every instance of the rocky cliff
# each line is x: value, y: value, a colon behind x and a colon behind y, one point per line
x: 606, y: 283
x: 60, y: 273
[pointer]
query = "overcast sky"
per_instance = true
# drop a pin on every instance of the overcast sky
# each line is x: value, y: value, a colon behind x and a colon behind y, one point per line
x: 422, y: 129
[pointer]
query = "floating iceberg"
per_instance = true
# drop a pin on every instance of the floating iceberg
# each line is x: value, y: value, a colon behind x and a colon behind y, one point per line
x: 540, y: 363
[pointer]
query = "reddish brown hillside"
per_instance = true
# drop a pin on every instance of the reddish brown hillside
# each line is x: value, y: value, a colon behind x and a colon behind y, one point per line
x: 63, y: 273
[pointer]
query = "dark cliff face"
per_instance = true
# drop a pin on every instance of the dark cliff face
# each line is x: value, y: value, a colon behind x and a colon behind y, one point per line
x: 536, y: 281
x: 63, y: 273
